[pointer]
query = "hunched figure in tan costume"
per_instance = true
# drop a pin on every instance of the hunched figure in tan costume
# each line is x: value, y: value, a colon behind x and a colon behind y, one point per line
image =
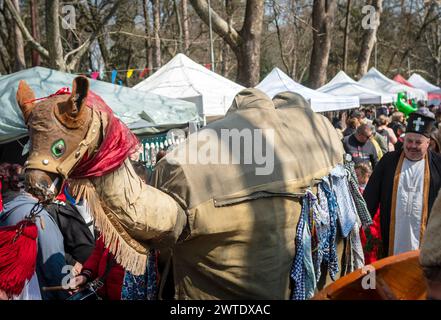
x: 229, y: 232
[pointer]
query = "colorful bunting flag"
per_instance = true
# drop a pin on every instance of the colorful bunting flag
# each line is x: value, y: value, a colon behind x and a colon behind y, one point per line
x: 208, y: 66
x: 95, y: 75
x: 143, y: 72
x: 129, y: 73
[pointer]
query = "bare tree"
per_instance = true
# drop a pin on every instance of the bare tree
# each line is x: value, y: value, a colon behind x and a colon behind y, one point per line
x: 346, y: 36
x: 54, y: 52
x: 20, y: 62
x: 54, y: 44
x: 185, y: 19
x: 245, y: 43
x: 35, y: 32
x: 323, y: 14
x: 369, y: 39
x: 148, y: 44
x: 224, y: 60
x: 157, y: 39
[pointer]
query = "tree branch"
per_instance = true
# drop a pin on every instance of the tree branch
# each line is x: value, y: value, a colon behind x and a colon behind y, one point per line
x: 220, y: 26
x: 36, y: 45
x: 81, y: 50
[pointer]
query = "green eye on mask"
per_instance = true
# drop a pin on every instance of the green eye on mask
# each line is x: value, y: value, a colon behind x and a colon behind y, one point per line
x: 58, y: 148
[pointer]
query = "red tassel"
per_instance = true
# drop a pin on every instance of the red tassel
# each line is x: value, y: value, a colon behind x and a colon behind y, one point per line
x: 18, y: 256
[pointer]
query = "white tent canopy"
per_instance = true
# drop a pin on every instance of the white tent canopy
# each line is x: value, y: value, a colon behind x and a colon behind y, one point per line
x: 129, y: 105
x: 419, y: 82
x: 277, y: 81
x: 183, y: 78
x: 377, y: 81
x: 342, y: 84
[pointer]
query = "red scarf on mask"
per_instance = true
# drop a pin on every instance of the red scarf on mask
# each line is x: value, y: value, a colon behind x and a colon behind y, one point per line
x: 118, y: 143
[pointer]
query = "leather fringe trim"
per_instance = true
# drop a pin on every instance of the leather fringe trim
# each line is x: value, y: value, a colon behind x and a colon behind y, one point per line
x: 131, y: 255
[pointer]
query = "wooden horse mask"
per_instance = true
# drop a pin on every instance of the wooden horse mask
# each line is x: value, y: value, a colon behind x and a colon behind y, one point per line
x: 57, y: 125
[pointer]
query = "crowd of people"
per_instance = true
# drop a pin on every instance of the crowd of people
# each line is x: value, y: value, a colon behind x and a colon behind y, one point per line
x: 398, y: 165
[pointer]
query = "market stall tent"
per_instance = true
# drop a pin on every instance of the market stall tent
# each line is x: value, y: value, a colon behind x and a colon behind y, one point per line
x: 277, y: 81
x: 342, y: 84
x: 433, y: 91
x: 375, y: 80
x: 128, y: 104
x: 183, y: 78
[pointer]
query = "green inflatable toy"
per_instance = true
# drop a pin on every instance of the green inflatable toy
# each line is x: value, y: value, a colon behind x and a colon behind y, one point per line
x: 403, y: 106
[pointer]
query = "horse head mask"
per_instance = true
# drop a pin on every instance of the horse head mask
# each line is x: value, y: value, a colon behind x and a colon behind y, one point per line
x: 57, y: 127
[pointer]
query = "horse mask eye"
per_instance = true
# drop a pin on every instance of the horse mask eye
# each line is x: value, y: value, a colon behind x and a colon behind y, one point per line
x: 58, y: 148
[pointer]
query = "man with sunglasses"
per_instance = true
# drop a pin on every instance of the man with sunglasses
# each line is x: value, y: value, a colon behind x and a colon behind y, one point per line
x: 360, y: 146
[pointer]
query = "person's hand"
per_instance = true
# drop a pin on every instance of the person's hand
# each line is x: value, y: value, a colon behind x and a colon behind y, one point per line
x: 77, y: 282
x: 3, y: 295
x: 77, y: 268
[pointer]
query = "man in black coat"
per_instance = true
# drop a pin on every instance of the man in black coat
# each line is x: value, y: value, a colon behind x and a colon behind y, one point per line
x: 404, y: 184
x: 79, y: 239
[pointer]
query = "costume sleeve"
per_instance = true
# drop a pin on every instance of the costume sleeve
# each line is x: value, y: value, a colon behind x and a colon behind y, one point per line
x: 373, y: 190
x: 51, y: 253
x: 90, y: 267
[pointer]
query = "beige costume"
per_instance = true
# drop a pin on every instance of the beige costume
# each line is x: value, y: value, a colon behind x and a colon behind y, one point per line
x: 239, y: 239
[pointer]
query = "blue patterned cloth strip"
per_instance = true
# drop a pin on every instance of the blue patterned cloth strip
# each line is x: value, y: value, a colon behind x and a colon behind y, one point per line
x: 142, y: 287
x: 346, y: 207
x: 310, y: 279
x: 322, y: 220
x: 298, y: 268
x: 302, y: 272
x: 331, y: 257
x: 357, y: 253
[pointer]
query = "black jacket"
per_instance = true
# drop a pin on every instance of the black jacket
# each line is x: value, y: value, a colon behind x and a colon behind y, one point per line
x: 78, y: 240
x: 379, y: 189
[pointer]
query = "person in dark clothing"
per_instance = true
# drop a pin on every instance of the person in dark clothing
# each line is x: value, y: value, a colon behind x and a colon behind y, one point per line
x: 79, y: 241
x: 404, y: 186
x: 359, y: 146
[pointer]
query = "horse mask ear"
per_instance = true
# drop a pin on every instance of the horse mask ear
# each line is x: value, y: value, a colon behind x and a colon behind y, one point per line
x: 24, y: 97
x: 77, y: 100
x: 73, y: 112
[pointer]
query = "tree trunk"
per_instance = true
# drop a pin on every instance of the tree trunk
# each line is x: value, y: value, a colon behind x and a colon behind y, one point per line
x: 346, y: 37
x: 20, y: 62
x: 156, y: 28
x: 225, y: 52
x: 36, y: 60
x: 55, y: 48
x: 186, y: 31
x: 244, y: 43
x: 148, y: 42
x: 323, y: 14
x: 369, y: 40
x: 179, y: 23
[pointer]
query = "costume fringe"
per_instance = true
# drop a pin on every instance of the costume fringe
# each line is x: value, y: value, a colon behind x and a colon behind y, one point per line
x: 131, y: 255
